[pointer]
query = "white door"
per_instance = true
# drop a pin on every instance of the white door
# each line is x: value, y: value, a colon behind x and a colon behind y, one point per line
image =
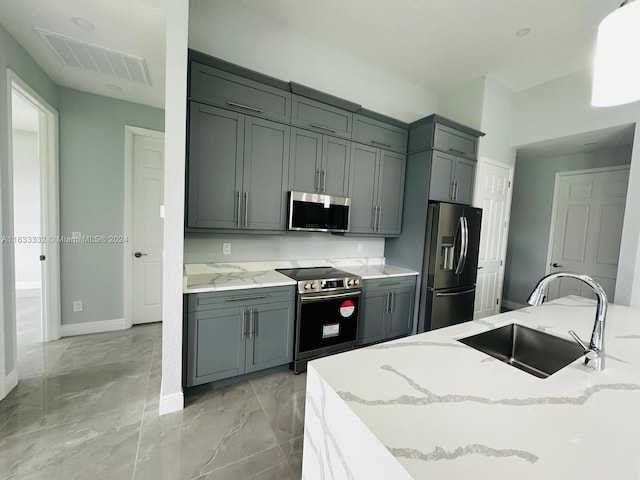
x: 587, y: 229
x: 493, y: 195
x: 148, y: 166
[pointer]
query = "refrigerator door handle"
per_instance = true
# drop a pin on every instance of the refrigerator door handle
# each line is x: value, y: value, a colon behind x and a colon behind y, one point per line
x: 464, y: 247
x: 453, y: 294
x: 461, y: 257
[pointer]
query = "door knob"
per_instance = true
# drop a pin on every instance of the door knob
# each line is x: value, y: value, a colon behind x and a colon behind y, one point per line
x: 556, y: 265
x: 139, y: 254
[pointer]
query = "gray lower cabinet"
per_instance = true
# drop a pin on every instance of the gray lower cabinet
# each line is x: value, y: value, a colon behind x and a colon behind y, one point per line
x: 319, y: 163
x: 387, y: 309
x: 237, y: 170
x: 452, y: 178
x: 376, y: 188
x: 229, y: 334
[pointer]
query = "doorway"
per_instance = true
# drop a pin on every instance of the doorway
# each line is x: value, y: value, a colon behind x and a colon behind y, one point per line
x: 144, y: 198
x: 33, y: 125
x: 586, y: 228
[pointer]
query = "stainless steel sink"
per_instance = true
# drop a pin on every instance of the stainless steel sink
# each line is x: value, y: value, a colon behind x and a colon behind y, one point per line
x: 532, y: 351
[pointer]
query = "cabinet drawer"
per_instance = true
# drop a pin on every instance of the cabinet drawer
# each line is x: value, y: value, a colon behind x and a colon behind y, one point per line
x: 390, y: 283
x: 379, y: 134
x: 217, y: 87
x: 321, y: 117
x: 454, y: 141
x: 200, y: 302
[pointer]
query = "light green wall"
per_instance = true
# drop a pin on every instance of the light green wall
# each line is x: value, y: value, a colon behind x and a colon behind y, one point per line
x: 531, y: 215
x: 464, y: 103
x: 92, y: 135
x: 13, y: 56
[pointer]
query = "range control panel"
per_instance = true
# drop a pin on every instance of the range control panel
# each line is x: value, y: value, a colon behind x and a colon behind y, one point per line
x: 329, y: 285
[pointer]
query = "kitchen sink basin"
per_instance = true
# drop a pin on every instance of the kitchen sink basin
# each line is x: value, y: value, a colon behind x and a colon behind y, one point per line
x: 532, y: 351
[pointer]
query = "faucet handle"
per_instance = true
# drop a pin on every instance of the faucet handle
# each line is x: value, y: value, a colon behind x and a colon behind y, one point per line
x: 590, y: 353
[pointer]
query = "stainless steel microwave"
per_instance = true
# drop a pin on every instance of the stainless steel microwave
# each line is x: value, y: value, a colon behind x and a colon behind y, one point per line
x: 314, y: 212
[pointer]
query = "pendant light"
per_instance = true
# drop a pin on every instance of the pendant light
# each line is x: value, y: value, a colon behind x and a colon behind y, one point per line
x: 616, y: 73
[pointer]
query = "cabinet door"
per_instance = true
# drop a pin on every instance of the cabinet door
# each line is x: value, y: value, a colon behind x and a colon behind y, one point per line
x: 453, y: 140
x: 371, y: 323
x: 391, y: 192
x: 305, y: 160
x: 271, y: 337
x: 321, y: 117
x: 266, y: 171
x: 214, y: 167
x: 441, y: 183
x: 216, y: 345
x: 399, y: 322
x: 334, y: 174
x: 379, y: 134
x: 465, y: 173
x: 362, y: 182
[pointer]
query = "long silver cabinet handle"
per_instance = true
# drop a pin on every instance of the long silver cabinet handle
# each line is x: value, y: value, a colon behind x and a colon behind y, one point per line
x: 393, y: 302
x: 387, y: 303
x: 379, y: 216
x: 245, y: 326
x: 322, y: 127
x: 252, y: 328
x: 453, y: 294
x: 246, y: 107
x: 455, y: 191
x: 324, y: 179
x: 382, y: 143
x: 255, y: 322
x: 246, y: 209
x: 452, y: 191
x: 238, y: 208
x: 324, y: 297
x: 244, y: 297
x: 316, y: 181
x: 456, y: 151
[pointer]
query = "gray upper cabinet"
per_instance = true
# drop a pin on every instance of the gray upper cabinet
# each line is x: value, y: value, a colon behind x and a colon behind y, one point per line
x: 218, y: 87
x: 237, y: 169
x: 216, y: 146
x: 319, y: 163
x: 320, y: 117
x: 376, y: 189
x: 265, y: 175
x: 379, y: 134
x: 436, y: 131
x: 452, y: 178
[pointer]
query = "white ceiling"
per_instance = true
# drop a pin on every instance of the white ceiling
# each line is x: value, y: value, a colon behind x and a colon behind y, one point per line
x: 618, y: 136
x: 434, y: 44
x: 136, y: 27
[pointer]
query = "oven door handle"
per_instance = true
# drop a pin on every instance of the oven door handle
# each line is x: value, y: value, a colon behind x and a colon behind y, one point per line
x: 330, y: 297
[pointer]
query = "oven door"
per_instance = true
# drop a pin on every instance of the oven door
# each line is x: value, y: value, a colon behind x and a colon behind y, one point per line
x: 326, y: 323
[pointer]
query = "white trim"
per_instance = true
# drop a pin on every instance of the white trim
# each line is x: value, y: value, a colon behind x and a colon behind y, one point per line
x: 101, y: 326
x: 513, y: 305
x: 10, y: 381
x: 32, y: 285
x: 554, y: 208
x: 49, y: 203
x: 129, y: 133
x: 170, y: 403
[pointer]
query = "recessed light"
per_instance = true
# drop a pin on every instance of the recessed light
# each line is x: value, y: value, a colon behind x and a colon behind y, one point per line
x: 115, y: 88
x: 523, y: 31
x: 83, y: 23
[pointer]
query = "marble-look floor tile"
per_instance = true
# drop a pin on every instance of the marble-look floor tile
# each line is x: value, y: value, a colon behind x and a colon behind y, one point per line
x: 281, y: 396
x: 215, y: 429
x: 103, y: 447
x: 267, y: 465
x: 293, y: 453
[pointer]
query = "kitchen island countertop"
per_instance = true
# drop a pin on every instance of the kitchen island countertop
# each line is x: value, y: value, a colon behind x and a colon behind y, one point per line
x: 430, y: 407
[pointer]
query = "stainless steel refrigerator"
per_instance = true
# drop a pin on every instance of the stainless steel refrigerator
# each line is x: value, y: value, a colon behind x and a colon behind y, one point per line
x: 450, y: 265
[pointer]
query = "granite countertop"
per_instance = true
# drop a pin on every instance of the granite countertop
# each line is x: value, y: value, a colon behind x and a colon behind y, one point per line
x: 213, y: 277
x: 429, y: 407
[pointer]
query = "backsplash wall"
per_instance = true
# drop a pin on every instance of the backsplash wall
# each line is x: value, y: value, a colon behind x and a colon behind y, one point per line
x: 207, y: 248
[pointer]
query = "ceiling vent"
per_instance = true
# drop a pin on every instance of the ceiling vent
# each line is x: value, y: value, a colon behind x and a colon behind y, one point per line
x: 87, y: 56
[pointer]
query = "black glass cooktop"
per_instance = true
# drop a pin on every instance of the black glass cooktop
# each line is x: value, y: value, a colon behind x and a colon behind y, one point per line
x: 313, y: 273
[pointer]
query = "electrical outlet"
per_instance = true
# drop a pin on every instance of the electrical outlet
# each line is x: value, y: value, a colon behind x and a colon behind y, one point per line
x: 360, y: 247
x: 226, y: 248
x: 77, y: 305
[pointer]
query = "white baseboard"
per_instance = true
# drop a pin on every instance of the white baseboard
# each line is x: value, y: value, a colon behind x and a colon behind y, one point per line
x: 32, y: 285
x: 513, y: 305
x: 170, y: 403
x: 10, y: 381
x: 85, y: 328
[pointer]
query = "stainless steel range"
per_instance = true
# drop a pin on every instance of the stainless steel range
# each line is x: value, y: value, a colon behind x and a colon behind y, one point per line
x: 327, y: 311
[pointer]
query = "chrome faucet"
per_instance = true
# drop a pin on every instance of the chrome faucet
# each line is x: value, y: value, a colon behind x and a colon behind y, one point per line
x: 594, y: 353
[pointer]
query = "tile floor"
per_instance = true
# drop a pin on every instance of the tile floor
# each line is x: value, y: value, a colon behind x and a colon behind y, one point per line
x: 86, y: 407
